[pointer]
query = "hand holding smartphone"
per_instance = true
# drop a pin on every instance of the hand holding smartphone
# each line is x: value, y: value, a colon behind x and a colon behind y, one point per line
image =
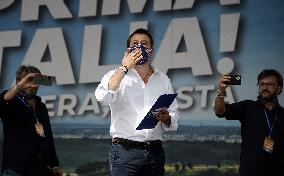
x: 235, y: 80
x: 43, y: 80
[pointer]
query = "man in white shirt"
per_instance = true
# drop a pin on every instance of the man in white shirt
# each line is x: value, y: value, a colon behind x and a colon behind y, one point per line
x: 130, y: 91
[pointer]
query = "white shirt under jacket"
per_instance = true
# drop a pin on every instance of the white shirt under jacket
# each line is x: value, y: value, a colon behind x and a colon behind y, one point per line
x: 131, y: 102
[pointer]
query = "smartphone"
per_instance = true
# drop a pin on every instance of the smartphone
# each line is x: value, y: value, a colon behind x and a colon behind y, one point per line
x: 235, y: 80
x: 43, y: 80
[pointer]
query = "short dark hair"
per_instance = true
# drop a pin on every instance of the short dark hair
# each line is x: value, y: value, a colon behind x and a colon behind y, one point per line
x: 141, y: 31
x: 271, y: 72
x: 24, y: 69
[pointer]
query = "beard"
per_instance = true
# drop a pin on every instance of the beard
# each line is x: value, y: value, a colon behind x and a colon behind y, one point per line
x: 267, y: 96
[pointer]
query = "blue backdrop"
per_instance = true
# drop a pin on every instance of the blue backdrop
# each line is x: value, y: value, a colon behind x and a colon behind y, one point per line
x: 79, y: 41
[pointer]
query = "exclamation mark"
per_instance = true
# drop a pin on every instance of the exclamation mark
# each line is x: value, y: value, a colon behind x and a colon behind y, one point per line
x: 229, y: 24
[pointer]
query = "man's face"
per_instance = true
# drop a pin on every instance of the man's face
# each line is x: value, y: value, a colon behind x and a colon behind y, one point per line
x: 140, y: 39
x: 28, y: 89
x: 143, y: 42
x: 268, y: 87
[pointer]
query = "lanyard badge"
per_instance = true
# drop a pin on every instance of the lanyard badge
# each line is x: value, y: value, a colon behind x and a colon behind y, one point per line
x: 268, y: 144
x: 268, y: 141
x: 38, y: 126
x: 39, y: 129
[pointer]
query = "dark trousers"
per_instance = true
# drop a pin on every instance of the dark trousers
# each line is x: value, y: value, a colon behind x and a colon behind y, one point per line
x: 129, y: 161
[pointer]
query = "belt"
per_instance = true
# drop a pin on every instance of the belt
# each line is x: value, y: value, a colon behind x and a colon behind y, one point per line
x: 147, y: 145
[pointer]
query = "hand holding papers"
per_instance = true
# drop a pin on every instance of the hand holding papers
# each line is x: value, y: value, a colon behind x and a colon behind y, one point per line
x: 150, y: 121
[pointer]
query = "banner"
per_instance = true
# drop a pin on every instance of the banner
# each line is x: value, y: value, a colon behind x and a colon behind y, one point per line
x: 77, y: 42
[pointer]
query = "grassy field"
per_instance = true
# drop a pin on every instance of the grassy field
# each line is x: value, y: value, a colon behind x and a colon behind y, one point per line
x: 201, y: 170
x: 182, y: 157
x: 77, y: 152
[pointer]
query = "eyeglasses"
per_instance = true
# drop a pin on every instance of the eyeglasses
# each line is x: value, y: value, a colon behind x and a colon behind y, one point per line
x: 262, y: 84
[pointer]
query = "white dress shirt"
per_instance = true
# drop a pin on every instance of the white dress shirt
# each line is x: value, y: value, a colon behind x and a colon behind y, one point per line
x: 132, y: 100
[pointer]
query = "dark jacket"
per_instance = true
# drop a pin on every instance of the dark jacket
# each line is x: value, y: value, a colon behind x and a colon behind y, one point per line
x: 23, y: 149
x: 254, y: 128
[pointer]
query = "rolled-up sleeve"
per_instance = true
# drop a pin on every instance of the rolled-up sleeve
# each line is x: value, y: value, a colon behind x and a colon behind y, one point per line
x: 102, y: 93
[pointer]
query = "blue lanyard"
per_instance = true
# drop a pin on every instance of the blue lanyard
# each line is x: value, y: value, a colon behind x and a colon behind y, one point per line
x: 28, y: 105
x: 268, y: 123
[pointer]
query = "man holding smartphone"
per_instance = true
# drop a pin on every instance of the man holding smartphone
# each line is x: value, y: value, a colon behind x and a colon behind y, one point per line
x: 28, y: 147
x: 262, y: 125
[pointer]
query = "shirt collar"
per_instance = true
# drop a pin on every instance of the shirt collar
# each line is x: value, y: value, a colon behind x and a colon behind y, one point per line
x: 154, y: 68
